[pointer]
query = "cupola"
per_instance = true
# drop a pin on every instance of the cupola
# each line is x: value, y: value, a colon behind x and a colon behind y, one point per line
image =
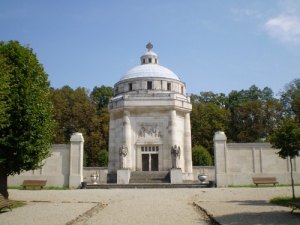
x: 149, y: 57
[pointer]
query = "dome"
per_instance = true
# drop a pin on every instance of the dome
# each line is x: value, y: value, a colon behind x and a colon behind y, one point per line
x: 150, y: 70
x: 150, y: 53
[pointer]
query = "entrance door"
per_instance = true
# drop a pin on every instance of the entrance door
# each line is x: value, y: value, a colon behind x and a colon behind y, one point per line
x: 149, y: 162
x: 145, y: 162
x: 154, y: 162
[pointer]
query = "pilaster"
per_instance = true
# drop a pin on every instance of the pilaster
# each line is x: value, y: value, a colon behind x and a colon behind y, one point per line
x: 113, y: 153
x: 127, y: 138
x: 187, y: 144
x: 76, y: 160
x: 220, y: 151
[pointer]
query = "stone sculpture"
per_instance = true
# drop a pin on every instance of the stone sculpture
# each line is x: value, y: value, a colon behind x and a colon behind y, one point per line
x: 142, y: 132
x: 175, y: 153
x: 156, y: 131
x: 123, y: 150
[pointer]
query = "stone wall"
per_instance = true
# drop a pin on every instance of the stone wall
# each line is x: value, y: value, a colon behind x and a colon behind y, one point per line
x: 237, y: 163
x: 62, y: 168
x: 56, y: 169
x: 208, y: 170
x: 100, y: 171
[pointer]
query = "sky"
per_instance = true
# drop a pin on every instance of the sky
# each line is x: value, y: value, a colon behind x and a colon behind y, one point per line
x: 216, y: 45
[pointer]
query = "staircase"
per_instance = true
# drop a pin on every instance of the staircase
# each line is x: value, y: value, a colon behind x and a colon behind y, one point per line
x: 149, y: 177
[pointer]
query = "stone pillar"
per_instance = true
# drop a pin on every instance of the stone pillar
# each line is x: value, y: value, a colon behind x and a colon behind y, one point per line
x: 172, y: 128
x: 112, y: 148
x: 220, y: 151
x: 76, y: 160
x: 172, y: 135
x: 187, y: 144
x: 127, y: 138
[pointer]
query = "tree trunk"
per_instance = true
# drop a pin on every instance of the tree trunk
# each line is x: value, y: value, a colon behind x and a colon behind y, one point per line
x: 292, y: 177
x: 3, y: 184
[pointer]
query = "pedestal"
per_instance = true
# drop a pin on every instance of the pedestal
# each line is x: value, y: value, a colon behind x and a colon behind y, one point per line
x: 176, y: 176
x: 123, y: 176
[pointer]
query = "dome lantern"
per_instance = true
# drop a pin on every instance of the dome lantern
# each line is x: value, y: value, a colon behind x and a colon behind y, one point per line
x: 149, y: 57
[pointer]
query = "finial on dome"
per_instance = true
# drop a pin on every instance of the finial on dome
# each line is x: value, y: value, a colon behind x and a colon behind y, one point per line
x: 149, y: 46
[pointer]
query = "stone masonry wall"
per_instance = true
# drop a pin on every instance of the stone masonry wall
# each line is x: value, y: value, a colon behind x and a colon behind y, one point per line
x: 237, y: 163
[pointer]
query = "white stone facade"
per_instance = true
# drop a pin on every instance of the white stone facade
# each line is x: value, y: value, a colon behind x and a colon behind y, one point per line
x: 150, y: 113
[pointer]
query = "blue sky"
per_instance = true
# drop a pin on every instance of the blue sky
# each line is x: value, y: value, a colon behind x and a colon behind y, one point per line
x: 216, y: 45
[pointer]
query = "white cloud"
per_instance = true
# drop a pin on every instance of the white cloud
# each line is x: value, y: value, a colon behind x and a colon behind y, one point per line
x: 285, y: 28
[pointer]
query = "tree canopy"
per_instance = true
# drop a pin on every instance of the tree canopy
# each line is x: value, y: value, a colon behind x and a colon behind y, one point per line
x: 27, y: 126
x: 287, y: 139
x: 81, y: 111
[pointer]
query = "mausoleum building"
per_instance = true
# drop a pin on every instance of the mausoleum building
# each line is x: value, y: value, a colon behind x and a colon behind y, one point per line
x: 149, y: 116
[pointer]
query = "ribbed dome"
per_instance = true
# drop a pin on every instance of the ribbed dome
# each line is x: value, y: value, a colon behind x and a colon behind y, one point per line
x: 149, y: 70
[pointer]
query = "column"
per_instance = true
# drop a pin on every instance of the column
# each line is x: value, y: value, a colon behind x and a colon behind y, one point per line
x: 172, y: 137
x: 187, y: 144
x: 172, y: 128
x: 127, y: 138
x: 113, y: 152
x: 76, y: 160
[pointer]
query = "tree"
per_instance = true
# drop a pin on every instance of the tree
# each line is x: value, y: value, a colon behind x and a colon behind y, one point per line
x: 206, y: 119
x: 290, y: 92
x: 249, y: 118
x: 102, y: 95
x: 254, y: 114
x: 25, y: 140
x: 4, y: 91
x: 76, y: 111
x: 287, y: 139
x: 201, y: 156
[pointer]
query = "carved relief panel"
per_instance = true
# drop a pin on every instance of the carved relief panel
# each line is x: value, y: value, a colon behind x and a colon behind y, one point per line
x: 149, y: 131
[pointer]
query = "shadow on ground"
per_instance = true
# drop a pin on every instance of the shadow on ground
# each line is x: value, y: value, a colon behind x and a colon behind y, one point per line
x: 251, y: 203
x: 266, y: 218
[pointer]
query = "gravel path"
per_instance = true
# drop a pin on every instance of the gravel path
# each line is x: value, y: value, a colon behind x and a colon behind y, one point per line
x: 150, y: 206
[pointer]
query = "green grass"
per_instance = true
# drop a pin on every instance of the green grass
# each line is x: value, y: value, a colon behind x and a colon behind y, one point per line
x: 17, y: 204
x: 38, y: 188
x: 283, y: 200
x: 261, y: 185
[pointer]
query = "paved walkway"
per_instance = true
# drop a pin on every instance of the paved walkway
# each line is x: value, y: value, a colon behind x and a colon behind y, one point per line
x: 150, y: 206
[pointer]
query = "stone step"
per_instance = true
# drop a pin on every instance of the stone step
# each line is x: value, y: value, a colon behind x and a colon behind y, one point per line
x: 150, y: 177
x: 147, y: 185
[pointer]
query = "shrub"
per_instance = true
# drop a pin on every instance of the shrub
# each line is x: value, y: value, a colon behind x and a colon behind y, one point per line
x: 103, y: 158
x: 201, y: 156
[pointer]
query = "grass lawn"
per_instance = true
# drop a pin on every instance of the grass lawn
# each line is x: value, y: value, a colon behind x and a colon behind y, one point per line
x: 284, y: 200
x: 261, y: 185
x: 17, y: 204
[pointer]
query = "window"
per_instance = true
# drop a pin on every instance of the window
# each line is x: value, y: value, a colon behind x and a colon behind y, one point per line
x: 116, y: 90
x: 169, y: 86
x: 143, y: 61
x: 149, y: 84
x: 181, y: 90
x: 155, y: 61
x: 150, y: 60
x: 130, y: 87
x: 149, y: 148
